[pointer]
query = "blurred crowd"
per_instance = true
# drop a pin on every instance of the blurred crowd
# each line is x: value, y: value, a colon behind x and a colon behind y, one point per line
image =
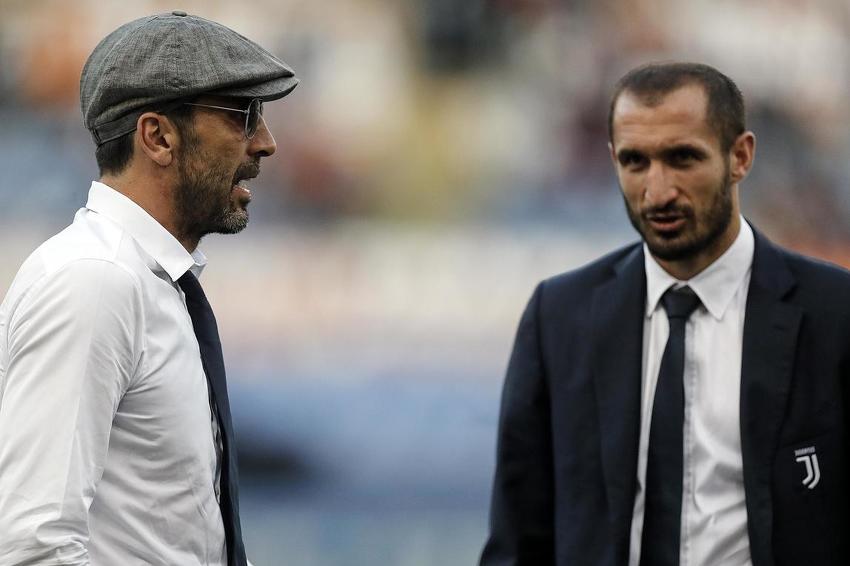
x: 441, y: 111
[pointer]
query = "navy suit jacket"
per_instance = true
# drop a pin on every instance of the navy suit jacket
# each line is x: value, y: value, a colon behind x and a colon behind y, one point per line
x: 567, y: 451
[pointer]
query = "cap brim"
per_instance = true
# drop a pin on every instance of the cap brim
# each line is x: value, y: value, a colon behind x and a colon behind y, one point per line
x: 267, y: 91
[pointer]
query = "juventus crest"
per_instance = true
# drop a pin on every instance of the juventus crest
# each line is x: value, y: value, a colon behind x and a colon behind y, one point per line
x: 807, y: 457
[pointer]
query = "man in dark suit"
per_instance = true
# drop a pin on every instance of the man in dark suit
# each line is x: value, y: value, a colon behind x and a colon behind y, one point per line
x: 636, y: 431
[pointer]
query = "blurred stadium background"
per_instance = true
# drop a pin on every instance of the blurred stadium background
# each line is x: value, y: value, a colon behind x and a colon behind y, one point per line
x: 439, y: 158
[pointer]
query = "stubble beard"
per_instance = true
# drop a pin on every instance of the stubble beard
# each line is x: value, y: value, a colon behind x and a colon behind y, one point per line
x: 203, y: 194
x: 701, y: 231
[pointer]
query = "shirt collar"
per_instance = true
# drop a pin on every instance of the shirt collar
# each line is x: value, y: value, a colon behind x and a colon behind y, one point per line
x: 166, y: 253
x: 716, y: 285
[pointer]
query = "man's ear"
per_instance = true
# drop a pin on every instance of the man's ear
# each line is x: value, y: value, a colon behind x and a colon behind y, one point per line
x: 741, y: 156
x: 157, y: 138
x: 613, y: 155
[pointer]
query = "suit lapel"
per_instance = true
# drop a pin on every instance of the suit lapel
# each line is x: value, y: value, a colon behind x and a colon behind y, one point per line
x: 617, y: 314
x: 770, y: 333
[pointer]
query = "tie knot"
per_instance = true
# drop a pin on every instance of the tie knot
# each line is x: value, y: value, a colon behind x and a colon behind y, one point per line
x: 189, y: 283
x: 680, y: 303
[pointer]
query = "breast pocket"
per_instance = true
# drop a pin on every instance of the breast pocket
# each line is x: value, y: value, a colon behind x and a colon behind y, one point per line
x: 810, y: 501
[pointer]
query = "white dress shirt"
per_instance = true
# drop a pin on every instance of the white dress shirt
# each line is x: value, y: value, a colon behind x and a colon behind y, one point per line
x: 714, y: 514
x: 107, y: 450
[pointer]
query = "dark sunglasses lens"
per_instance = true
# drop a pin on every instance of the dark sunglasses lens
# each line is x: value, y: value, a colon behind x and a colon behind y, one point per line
x: 253, y: 119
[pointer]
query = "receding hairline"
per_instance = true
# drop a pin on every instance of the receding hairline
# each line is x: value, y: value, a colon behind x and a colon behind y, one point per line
x: 654, y: 99
x: 652, y: 83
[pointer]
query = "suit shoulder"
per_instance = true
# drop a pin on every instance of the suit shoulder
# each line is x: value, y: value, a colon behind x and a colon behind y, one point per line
x: 588, y: 276
x: 821, y: 287
x: 813, y: 271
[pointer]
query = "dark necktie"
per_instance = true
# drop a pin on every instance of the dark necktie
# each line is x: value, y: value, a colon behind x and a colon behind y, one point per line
x: 663, y: 509
x: 206, y: 330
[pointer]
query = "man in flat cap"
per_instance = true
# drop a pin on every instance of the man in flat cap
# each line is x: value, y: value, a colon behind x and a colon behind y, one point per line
x: 116, y: 444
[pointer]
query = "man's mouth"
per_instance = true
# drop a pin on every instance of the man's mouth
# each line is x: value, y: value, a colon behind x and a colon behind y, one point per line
x: 241, y: 191
x: 667, y: 222
x: 240, y: 188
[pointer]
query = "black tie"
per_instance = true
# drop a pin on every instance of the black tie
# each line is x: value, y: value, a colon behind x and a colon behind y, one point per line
x: 206, y: 330
x: 663, y: 509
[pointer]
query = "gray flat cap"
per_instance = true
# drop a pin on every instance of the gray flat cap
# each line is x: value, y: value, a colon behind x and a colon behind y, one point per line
x: 152, y: 61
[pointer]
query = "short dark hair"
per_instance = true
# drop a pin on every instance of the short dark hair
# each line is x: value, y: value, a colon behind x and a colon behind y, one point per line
x: 114, y: 156
x: 651, y: 83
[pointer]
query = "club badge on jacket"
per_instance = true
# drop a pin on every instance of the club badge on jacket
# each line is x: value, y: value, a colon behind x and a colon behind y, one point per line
x: 807, y: 457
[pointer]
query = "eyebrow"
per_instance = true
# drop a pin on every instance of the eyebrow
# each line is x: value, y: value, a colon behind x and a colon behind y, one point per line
x: 625, y: 154
x: 666, y: 153
x: 669, y: 152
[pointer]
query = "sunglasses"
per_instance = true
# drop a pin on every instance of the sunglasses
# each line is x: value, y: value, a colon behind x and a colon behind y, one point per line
x: 253, y: 114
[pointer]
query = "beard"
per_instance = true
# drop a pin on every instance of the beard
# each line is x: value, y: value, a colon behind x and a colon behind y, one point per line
x: 702, y: 229
x: 203, y: 197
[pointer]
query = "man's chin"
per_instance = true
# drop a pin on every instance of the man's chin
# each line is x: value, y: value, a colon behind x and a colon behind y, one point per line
x: 679, y: 250
x: 671, y: 247
x: 233, y: 223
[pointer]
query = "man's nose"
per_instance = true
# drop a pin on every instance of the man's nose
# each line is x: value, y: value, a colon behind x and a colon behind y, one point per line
x: 659, y: 189
x: 262, y: 144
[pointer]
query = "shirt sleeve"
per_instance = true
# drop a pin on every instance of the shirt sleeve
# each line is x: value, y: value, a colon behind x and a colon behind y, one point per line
x: 74, y: 341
